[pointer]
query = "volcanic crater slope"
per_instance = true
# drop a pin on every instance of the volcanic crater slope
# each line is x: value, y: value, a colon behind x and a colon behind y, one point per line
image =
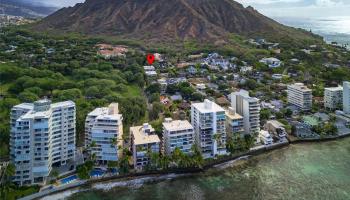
x: 166, y: 20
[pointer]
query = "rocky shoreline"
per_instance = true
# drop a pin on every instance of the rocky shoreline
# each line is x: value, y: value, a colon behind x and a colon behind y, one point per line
x: 147, y: 177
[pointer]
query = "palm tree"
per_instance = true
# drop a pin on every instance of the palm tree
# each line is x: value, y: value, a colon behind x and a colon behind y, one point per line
x: 10, y: 170
x: 217, y: 138
x: 93, y: 157
x: 6, y: 188
x: 54, y: 174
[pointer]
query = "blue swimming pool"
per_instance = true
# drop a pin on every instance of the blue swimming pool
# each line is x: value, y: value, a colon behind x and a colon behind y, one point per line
x: 96, y: 173
x: 69, y: 179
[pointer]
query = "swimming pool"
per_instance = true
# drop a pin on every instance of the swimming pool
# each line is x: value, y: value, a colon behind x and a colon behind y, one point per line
x: 69, y: 179
x: 96, y: 173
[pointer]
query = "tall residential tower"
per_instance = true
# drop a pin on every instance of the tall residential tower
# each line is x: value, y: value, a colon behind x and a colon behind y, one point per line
x: 300, y: 96
x: 208, y: 120
x: 103, y: 133
x: 249, y: 108
x: 42, y: 136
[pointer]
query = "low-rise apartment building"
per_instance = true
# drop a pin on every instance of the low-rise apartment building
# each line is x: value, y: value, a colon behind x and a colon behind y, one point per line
x: 144, y: 142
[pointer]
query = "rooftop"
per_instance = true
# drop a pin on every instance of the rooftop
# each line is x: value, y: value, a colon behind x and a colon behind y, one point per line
x: 208, y: 107
x: 28, y: 106
x: 110, y: 112
x: 231, y: 114
x: 176, y: 125
x: 62, y: 104
x: 245, y: 95
x: 142, y: 137
x: 300, y: 86
x: 41, y: 113
x: 334, y: 89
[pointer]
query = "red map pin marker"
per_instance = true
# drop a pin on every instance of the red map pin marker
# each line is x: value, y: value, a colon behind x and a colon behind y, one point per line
x: 150, y: 59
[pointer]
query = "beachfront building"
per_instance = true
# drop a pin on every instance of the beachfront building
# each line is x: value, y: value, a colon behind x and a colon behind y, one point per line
x: 234, y: 123
x: 276, y: 128
x: 42, y: 137
x: 144, y: 142
x: 346, y: 97
x: 333, y: 97
x: 103, y: 133
x: 208, y: 120
x: 177, y: 134
x: 249, y: 108
x: 300, y: 96
x: 265, y: 137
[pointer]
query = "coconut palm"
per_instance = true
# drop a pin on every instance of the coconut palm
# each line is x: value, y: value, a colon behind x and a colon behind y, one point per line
x: 54, y: 174
x: 217, y: 138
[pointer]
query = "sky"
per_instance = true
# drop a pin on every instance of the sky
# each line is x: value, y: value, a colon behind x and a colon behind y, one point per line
x: 271, y: 8
x: 301, y: 8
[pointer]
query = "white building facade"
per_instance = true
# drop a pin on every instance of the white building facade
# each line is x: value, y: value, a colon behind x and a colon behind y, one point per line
x: 42, y: 136
x: 104, y: 129
x: 333, y: 97
x: 249, y: 108
x: 177, y: 134
x: 299, y: 95
x: 208, y: 120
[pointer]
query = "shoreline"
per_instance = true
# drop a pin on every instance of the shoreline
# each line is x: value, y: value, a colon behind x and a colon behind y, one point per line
x: 152, y: 176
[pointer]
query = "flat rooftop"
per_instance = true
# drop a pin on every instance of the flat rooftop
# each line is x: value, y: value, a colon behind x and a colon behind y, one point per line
x: 300, y: 86
x: 140, y: 137
x: 334, y: 89
x: 232, y: 115
x: 208, y: 107
x: 177, y: 125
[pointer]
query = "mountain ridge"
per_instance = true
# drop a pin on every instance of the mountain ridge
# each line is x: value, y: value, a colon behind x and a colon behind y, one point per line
x: 163, y: 20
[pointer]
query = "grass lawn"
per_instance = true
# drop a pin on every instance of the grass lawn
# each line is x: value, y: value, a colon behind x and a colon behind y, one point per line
x: 133, y: 91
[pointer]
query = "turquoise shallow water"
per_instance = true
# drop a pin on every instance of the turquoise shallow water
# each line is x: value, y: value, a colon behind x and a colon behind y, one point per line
x: 313, y: 171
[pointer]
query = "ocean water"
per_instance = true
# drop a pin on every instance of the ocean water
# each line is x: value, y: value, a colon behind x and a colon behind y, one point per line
x: 333, y: 29
x: 313, y: 171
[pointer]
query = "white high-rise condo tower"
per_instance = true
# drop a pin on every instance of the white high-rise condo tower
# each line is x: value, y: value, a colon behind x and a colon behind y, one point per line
x: 42, y: 137
x: 104, y: 129
x: 208, y: 120
x: 333, y: 97
x: 300, y: 96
